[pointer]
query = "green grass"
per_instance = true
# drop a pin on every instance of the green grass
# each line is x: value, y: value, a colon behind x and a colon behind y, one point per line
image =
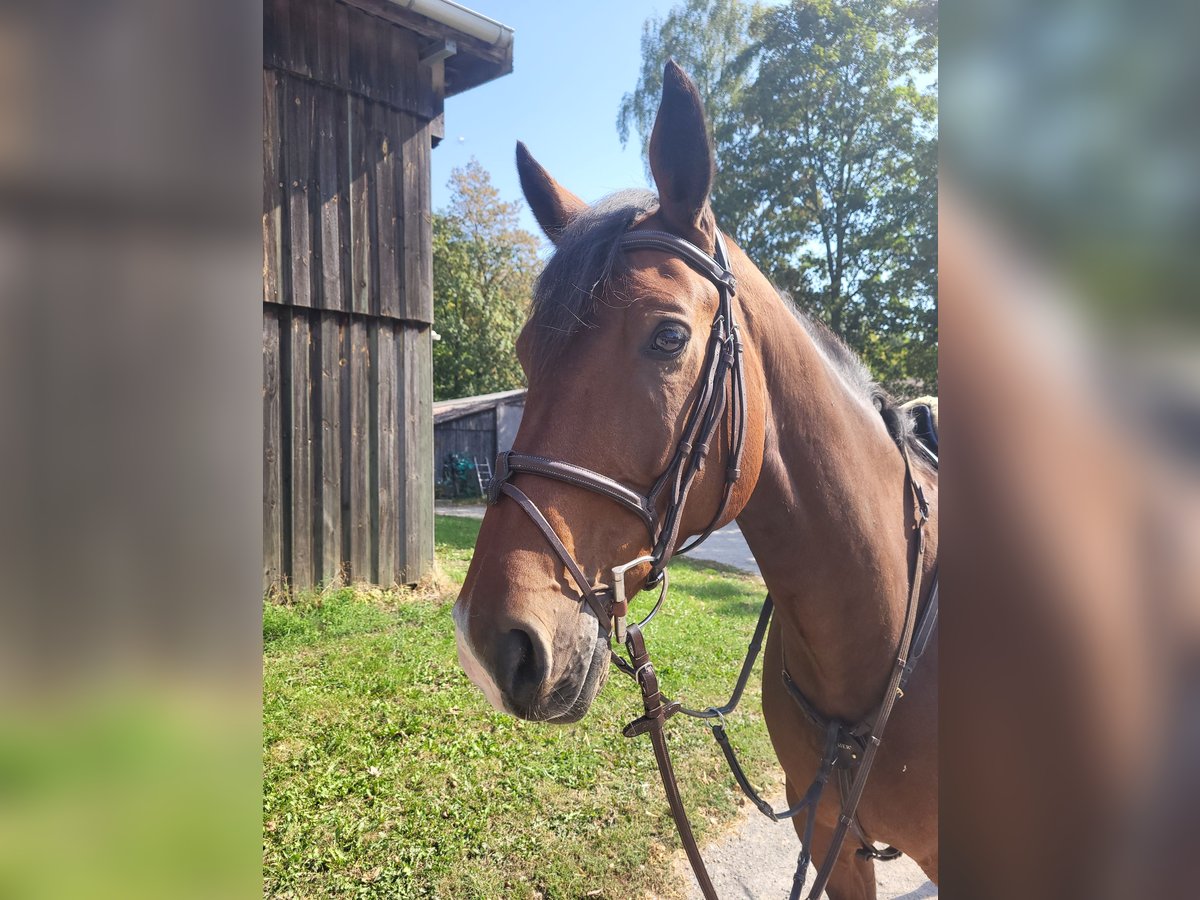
x: 386, y: 774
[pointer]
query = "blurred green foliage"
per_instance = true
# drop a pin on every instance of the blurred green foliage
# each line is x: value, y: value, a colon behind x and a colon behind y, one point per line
x: 1075, y: 126
x: 128, y: 793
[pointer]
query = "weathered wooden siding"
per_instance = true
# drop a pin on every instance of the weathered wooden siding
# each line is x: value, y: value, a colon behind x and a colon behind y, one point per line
x: 472, y: 436
x: 347, y: 297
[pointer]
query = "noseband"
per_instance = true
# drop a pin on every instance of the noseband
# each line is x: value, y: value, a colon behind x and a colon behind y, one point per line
x: 721, y: 384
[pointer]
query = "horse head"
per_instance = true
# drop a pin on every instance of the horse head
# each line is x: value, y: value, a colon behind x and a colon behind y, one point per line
x: 618, y: 349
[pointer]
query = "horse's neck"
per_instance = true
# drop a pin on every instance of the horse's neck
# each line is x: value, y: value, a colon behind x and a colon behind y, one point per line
x: 826, y: 521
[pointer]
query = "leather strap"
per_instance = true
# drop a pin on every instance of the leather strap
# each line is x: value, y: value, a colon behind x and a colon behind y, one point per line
x: 924, y: 632
x: 657, y: 712
x: 724, y: 365
x: 590, y: 594
x: 716, y: 270
x: 580, y: 477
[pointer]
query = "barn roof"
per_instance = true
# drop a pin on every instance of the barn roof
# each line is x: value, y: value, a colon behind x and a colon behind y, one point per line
x: 449, y: 410
x: 476, y: 49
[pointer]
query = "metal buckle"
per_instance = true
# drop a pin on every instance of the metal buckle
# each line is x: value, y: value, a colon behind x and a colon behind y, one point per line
x: 620, y: 602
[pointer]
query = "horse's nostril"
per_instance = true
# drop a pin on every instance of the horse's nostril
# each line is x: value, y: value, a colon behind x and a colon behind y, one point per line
x: 522, y: 668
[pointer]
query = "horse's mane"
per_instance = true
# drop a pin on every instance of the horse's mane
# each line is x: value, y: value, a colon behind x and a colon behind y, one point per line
x: 856, y: 374
x: 587, y: 257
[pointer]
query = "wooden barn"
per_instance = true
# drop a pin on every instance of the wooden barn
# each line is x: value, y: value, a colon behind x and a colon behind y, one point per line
x: 476, y: 428
x: 352, y: 106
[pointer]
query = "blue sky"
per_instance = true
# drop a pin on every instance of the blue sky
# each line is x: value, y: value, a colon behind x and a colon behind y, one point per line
x: 572, y: 62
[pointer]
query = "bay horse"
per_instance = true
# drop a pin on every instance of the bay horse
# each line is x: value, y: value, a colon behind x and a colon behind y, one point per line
x: 802, y: 450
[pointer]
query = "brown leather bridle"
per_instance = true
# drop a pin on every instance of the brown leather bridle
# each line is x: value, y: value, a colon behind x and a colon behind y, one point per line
x: 722, y: 384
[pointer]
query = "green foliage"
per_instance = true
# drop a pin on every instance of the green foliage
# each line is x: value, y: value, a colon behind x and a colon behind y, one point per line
x: 386, y: 774
x: 484, y: 266
x: 824, y: 117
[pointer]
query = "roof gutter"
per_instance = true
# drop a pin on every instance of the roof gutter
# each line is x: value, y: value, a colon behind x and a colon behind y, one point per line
x: 467, y: 21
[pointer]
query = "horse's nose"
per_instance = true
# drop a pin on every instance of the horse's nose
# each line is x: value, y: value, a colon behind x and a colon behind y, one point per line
x: 521, y: 667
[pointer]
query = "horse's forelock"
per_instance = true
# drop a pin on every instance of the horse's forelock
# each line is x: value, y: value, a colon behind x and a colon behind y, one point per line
x: 586, y: 257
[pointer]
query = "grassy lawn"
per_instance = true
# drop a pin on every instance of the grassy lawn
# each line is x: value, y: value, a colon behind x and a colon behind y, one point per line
x: 386, y: 774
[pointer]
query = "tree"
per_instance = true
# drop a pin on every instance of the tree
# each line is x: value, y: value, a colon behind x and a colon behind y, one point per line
x: 484, y: 267
x: 827, y: 161
x: 843, y: 112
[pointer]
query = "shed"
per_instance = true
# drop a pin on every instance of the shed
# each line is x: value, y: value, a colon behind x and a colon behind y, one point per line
x: 476, y: 428
x: 353, y: 95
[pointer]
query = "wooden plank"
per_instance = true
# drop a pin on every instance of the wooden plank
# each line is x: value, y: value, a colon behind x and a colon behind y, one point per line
x: 301, y: 488
x: 273, y: 203
x: 418, y: 450
x: 343, y: 47
x: 330, y: 435
x: 404, y: 449
x: 321, y: 63
x: 387, y: 137
x: 299, y: 116
x: 270, y: 32
x: 273, y: 561
x: 358, y: 449
x: 427, y: 89
x: 276, y: 28
x: 411, y: 89
x: 342, y: 147
x: 388, y: 484
x: 399, y: 67
x: 330, y: 128
x: 345, y: 393
x: 417, y: 228
x: 422, y: 394
x: 303, y: 37
x: 374, y: 52
x: 362, y: 38
x: 339, y: 40
x: 423, y: 145
x: 362, y: 279
x: 437, y: 89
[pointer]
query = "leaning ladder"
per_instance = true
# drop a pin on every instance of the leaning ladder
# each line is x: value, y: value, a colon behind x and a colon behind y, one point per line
x: 483, y: 473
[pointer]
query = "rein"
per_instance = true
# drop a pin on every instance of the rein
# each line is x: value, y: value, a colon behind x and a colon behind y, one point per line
x: 722, y: 384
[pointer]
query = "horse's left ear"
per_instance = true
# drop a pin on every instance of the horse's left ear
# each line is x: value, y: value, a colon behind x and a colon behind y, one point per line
x: 681, y: 158
x: 553, y: 206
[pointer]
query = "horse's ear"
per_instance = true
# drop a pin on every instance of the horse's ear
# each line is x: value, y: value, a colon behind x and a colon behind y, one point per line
x: 681, y: 158
x: 553, y: 205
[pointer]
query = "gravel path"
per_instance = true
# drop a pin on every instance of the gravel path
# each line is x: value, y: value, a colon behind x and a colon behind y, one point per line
x: 756, y: 857
x: 467, y: 511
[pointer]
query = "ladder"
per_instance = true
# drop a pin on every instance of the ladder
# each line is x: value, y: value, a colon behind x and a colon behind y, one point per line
x: 483, y: 473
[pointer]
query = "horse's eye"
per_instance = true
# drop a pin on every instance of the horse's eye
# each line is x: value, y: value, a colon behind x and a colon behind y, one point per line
x: 669, y: 340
